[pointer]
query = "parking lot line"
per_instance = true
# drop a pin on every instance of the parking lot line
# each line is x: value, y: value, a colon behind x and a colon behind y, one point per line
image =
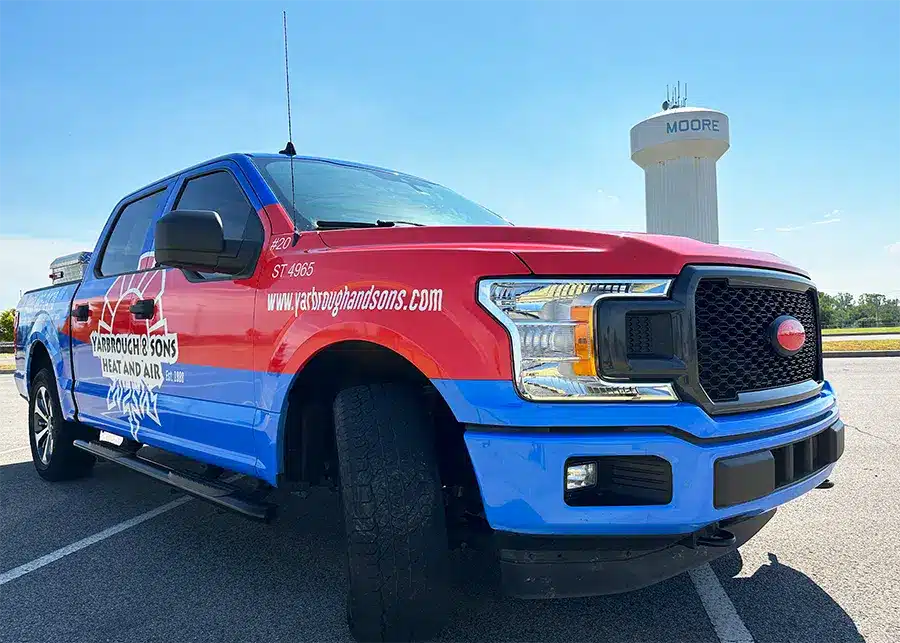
x: 62, y: 552
x: 14, y: 450
x: 37, y: 563
x: 724, y: 618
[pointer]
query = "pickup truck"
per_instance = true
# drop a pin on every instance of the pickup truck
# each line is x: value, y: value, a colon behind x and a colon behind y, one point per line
x: 600, y: 411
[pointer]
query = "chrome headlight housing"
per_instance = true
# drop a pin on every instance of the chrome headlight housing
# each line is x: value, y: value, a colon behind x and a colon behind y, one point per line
x: 551, y: 327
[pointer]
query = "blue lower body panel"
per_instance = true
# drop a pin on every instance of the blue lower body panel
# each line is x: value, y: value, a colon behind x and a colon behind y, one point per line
x: 520, y: 467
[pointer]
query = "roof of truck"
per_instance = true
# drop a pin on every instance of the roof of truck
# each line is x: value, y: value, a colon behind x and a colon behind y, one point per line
x: 244, y: 156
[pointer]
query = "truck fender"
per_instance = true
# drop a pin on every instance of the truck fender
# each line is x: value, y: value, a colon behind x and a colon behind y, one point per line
x: 44, y: 333
x: 50, y: 344
x: 283, y: 371
x: 273, y: 394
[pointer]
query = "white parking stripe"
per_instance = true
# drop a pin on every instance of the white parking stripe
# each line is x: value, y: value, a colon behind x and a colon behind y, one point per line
x: 14, y: 450
x: 724, y: 618
x: 53, y: 556
x: 37, y: 563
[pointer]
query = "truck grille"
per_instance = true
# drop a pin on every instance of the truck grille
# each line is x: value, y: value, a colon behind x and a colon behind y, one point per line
x: 733, y: 348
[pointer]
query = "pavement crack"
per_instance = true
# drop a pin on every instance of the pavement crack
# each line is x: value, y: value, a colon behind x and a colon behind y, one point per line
x: 871, y: 435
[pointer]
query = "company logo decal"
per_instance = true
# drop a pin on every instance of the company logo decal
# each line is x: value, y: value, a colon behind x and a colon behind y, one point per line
x: 132, y: 351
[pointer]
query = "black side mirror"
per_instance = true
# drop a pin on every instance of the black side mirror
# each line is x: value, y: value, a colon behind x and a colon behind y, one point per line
x: 190, y: 239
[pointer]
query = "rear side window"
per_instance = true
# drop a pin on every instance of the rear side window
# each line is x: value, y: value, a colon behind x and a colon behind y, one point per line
x: 221, y: 193
x: 129, y: 235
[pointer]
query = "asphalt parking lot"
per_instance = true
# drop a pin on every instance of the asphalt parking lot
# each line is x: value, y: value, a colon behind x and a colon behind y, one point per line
x: 824, y: 569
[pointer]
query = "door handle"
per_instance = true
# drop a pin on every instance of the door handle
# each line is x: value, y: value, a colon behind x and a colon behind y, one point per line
x: 81, y: 312
x: 143, y: 309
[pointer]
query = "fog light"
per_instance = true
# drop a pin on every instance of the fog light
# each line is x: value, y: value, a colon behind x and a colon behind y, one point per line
x: 579, y: 476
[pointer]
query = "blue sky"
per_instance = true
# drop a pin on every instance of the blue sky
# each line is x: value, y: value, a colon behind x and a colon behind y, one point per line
x: 525, y: 108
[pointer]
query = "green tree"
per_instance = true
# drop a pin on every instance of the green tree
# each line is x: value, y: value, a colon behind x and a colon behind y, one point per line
x: 844, y: 310
x: 828, y: 310
x: 7, y: 324
x: 871, y: 308
x: 844, y: 300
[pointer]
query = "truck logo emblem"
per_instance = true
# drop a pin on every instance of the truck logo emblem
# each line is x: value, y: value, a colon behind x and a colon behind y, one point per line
x: 131, y: 351
x: 787, y: 335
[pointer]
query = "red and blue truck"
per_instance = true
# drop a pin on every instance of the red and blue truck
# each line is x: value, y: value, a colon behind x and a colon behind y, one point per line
x: 602, y: 411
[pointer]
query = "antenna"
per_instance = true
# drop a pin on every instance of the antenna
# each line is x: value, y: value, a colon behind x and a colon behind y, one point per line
x: 289, y: 149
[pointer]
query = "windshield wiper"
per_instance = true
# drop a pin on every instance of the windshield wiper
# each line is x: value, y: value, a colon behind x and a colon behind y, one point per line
x: 322, y: 224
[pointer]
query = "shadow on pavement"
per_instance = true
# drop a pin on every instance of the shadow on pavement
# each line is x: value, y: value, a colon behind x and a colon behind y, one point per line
x: 197, y: 573
x: 780, y: 603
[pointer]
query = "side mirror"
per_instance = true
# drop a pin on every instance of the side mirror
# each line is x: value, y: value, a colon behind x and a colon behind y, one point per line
x: 190, y: 239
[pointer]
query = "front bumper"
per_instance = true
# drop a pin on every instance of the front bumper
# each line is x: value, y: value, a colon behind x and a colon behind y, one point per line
x: 542, y: 567
x: 520, y: 467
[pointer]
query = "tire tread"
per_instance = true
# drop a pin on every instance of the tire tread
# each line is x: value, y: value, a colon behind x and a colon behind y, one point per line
x: 390, y: 486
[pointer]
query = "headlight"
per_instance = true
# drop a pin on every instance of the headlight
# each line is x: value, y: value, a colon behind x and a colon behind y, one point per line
x: 551, y: 326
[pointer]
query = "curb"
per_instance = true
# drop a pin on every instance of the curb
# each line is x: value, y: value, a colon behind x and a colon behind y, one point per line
x: 860, y: 353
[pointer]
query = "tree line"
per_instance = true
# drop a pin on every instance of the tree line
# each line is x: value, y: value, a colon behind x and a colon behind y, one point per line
x: 837, y: 311
x: 866, y: 311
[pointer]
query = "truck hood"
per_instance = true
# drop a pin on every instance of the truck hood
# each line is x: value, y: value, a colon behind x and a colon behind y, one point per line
x: 555, y: 251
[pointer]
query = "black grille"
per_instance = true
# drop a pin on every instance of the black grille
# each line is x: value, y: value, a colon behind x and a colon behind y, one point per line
x: 640, y: 335
x: 649, y: 334
x: 743, y: 478
x: 733, y: 347
x: 796, y: 461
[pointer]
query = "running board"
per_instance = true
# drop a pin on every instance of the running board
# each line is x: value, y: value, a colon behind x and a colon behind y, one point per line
x: 216, y: 492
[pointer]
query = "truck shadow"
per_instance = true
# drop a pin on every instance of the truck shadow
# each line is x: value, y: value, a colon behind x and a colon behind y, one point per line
x: 780, y: 603
x: 776, y: 603
x: 206, y: 575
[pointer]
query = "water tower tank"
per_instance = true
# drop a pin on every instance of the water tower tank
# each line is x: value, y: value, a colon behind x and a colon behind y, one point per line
x: 678, y: 149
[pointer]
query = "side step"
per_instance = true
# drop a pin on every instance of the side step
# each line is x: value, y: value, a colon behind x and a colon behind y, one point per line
x: 218, y: 493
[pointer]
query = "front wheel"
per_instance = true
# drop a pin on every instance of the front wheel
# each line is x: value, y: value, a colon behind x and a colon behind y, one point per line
x: 54, y: 455
x: 394, y: 514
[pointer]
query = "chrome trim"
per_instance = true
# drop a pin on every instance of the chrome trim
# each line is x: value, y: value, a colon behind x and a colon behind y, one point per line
x: 594, y: 389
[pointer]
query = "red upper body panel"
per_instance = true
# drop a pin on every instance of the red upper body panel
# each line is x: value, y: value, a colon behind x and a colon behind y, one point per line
x: 552, y: 251
x: 409, y: 289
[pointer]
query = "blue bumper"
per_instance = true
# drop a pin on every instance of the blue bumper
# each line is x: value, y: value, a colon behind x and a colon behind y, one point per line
x: 520, y: 464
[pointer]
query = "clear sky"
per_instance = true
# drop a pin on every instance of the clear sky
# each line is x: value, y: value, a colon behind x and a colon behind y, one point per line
x: 525, y: 108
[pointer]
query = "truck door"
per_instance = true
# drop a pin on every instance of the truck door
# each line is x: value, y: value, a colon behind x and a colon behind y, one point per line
x: 109, y: 393
x: 206, y: 405
x: 178, y: 370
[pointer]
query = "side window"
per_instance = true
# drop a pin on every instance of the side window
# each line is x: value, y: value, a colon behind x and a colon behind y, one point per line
x: 220, y: 192
x: 126, y: 242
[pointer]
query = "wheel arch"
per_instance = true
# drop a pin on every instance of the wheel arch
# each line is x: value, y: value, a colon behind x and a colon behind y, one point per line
x: 38, y: 358
x: 326, y: 371
x: 306, y: 431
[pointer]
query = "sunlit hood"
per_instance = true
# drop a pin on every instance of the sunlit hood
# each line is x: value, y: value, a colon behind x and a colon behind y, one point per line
x: 553, y: 251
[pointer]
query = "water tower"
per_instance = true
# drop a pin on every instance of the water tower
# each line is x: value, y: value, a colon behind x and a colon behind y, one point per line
x: 678, y: 149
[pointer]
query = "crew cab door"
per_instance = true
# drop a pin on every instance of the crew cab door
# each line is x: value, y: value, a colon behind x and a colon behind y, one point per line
x: 196, y: 392
x: 109, y: 392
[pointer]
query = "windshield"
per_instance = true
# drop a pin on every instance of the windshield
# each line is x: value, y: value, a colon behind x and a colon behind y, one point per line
x: 326, y: 191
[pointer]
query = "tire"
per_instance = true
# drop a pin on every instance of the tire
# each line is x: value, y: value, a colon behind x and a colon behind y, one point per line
x: 394, y: 514
x: 55, y: 457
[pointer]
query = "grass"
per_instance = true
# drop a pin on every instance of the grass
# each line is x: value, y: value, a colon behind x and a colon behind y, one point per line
x: 7, y: 363
x: 862, y: 345
x: 861, y: 331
